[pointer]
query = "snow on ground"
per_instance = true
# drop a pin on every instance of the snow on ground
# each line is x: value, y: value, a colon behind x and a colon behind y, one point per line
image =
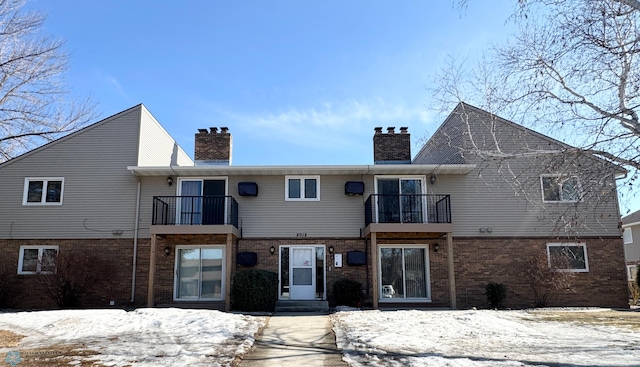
x: 481, y: 338
x: 146, y: 337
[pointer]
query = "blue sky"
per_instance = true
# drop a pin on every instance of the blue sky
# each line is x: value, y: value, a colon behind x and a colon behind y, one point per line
x: 296, y: 82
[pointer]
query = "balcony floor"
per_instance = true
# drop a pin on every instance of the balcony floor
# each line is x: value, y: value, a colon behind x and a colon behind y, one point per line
x: 436, y: 228
x: 195, y: 229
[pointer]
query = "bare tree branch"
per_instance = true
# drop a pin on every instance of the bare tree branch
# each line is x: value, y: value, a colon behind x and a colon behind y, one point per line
x: 34, y: 106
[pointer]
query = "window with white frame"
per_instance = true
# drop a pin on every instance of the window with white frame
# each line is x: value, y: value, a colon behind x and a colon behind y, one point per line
x: 302, y: 188
x: 400, y: 199
x: 632, y: 272
x: 200, y: 273
x: 627, y: 237
x: 404, y: 273
x: 43, y: 191
x: 556, y: 188
x: 37, y: 259
x: 570, y: 257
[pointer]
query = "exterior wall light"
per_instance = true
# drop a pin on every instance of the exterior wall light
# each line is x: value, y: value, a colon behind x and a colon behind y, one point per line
x: 167, y: 251
x: 331, y: 250
x: 170, y: 181
x: 436, y: 247
x: 272, y: 249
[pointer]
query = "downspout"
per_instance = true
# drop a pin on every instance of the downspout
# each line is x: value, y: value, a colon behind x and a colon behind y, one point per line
x: 136, y: 227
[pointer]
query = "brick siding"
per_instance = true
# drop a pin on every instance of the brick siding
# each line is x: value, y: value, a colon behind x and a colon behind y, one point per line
x: 391, y: 146
x: 212, y: 145
x: 478, y: 261
x: 27, y: 292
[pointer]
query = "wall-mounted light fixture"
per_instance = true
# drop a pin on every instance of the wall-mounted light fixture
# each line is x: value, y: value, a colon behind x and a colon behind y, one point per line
x: 331, y: 249
x: 167, y: 251
x: 436, y: 247
x: 272, y: 249
x: 433, y: 179
x: 170, y: 181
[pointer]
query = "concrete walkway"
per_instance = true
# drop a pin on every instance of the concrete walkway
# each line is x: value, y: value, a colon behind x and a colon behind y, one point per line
x: 295, y: 339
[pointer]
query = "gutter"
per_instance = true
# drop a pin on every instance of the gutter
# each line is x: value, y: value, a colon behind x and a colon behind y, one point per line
x: 136, y: 227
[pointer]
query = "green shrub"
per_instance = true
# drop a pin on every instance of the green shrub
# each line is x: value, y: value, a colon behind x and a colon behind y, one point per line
x: 254, y: 290
x: 347, y: 292
x: 496, y: 293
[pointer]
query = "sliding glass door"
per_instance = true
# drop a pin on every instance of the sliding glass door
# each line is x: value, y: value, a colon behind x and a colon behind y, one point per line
x: 400, y: 200
x: 199, y: 273
x: 404, y: 273
x: 202, y: 201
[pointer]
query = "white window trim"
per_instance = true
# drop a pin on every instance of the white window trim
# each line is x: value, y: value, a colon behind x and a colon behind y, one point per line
x: 627, y: 235
x: 630, y: 269
x: 579, y: 244
x: 223, y: 281
x: 43, y: 199
x: 426, y: 248
x: 202, y: 179
x: 401, y: 177
x: 423, y: 187
x: 301, y: 178
x: 560, y: 201
x: 40, y: 251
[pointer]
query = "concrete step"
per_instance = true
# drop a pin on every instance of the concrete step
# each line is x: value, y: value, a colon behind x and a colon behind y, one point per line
x: 302, y: 306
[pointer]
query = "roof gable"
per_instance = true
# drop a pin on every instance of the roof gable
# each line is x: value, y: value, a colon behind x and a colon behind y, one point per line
x: 469, y: 133
x: 631, y: 218
x: 72, y: 135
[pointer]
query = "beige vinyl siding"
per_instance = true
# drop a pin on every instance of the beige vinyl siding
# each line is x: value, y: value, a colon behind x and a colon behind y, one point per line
x: 99, y: 191
x: 150, y: 187
x: 269, y: 215
x: 505, y: 194
x: 157, y: 147
x: 632, y: 250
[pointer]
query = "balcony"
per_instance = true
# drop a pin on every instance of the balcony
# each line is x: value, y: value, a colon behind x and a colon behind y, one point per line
x: 408, y: 213
x: 194, y: 214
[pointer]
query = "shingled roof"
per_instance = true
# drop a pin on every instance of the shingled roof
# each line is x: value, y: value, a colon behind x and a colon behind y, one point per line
x: 631, y: 218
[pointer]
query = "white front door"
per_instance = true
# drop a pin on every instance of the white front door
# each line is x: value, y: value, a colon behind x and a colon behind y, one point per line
x: 302, y: 273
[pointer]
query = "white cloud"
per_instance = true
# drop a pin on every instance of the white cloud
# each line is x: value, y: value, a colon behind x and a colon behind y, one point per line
x: 329, y: 123
x: 114, y: 82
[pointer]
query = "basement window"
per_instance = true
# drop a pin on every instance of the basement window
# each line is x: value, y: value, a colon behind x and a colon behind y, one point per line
x: 37, y: 259
x: 571, y: 257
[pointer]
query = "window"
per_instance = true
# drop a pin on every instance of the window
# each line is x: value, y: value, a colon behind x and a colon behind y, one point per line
x: 627, y: 236
x: 300, y: 188
x: 400, y: 200
x: 199, y: 273
x: 559, y: 188
x: 568, y: 257
x: 43, y: 191
x: 404, y: 273
x: 202, y: 201
x: 632, y: 272
x: 37, y: 259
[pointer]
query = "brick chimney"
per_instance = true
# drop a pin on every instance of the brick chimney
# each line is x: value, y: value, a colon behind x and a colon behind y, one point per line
x: 213, y: 147
x: 391, y: 148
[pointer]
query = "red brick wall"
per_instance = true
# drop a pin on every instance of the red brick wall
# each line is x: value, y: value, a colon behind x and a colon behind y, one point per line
x: 479, y: 261
x: 212, y: 145
x: 26, y: 292
x: 269, y: 262
x: 391, y: 146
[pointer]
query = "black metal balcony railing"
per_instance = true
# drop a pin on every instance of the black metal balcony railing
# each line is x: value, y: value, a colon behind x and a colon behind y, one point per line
x: 194, y: 210
x: 429, y: 208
